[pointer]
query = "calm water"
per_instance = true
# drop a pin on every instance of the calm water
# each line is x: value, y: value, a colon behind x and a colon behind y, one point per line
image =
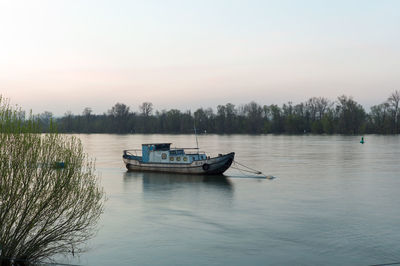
x: 334, y: 201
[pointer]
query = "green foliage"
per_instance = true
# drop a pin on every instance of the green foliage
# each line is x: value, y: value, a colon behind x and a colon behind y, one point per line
x: 328, y: 123
x: 317, y: 127
x: 351, y: 116
x: 50, y: 199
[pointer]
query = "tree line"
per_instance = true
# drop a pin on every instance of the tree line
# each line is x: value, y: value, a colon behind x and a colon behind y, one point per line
x: 317, y: 115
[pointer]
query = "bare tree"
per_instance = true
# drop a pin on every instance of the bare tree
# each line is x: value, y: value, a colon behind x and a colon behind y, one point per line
x: 146, y: 108
x: 50, y: 198
x: 323, y: 104
x: 87, y: 111
x: 394, y: 101
x: 46, y: 118
x: 317, y: 106
x: 312, y: 108
x: 119, y: 110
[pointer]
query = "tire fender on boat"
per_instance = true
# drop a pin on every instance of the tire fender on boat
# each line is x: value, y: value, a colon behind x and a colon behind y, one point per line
x: 206, y: 166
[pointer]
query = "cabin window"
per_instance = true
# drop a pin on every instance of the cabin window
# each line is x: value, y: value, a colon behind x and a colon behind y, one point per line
x: 164, y: 156
x: 185, y: 159
x: 178, y: 158
x: 193, y: 158
x: 171, y: 158
x: 162, y: 147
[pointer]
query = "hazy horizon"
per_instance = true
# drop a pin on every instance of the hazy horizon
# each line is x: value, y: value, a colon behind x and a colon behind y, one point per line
x: 64, y: 56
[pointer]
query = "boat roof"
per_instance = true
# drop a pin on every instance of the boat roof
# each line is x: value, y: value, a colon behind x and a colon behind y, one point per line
x: 156, y: 144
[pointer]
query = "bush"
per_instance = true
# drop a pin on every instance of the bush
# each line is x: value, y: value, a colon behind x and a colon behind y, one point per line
x: 50, y: 198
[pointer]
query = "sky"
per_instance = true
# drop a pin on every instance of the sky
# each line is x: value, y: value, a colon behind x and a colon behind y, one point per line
x: 61, y: 56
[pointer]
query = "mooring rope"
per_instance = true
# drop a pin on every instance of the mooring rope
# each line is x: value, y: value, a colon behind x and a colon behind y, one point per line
x: 240, y: 170
x: 249, y: 170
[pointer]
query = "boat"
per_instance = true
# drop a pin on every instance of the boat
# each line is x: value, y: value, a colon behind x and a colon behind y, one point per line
x: 160, y: 157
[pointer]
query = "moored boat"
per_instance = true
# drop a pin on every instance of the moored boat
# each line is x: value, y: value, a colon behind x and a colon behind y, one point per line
x: 160, y: 157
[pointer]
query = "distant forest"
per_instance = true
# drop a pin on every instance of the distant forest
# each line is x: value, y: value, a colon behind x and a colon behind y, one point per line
x: 317, y: 115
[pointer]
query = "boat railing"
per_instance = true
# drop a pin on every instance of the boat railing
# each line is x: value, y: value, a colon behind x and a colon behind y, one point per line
x: 188, y: 151
x: 133, y: 152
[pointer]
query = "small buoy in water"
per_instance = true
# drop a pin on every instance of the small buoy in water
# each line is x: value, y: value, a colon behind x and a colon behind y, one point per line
x: 58, y: 165
x: 362, y: 140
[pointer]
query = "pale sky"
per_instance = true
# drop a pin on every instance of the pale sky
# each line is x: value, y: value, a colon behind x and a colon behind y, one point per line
x: 67, y: 55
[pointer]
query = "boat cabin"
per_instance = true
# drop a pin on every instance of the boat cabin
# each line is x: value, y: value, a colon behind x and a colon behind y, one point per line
x: 162, y: 153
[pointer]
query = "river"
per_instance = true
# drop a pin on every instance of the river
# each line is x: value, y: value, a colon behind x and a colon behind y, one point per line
x: 334, y: 201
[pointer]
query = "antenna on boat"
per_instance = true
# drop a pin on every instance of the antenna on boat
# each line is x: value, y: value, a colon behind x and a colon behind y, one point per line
x: 195, y: 133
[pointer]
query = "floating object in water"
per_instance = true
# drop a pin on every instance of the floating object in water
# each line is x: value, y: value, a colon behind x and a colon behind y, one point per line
x: 58, y: 165
x: 160, y: 157
x: 362, y: 140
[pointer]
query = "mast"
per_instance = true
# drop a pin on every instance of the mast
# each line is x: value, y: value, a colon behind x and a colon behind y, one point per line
x: 195, y: 133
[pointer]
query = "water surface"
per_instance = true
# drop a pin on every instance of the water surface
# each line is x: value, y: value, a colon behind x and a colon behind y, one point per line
x: 334, y: 201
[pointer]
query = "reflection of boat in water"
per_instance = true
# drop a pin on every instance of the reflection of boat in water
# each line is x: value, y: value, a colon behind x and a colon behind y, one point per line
x: 159, y: 178
x: 164, y: 180
x: 159, y: 157
x: 173, y: 193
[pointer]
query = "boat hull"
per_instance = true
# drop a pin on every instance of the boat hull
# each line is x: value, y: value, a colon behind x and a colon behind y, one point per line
x: 212, y: 166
